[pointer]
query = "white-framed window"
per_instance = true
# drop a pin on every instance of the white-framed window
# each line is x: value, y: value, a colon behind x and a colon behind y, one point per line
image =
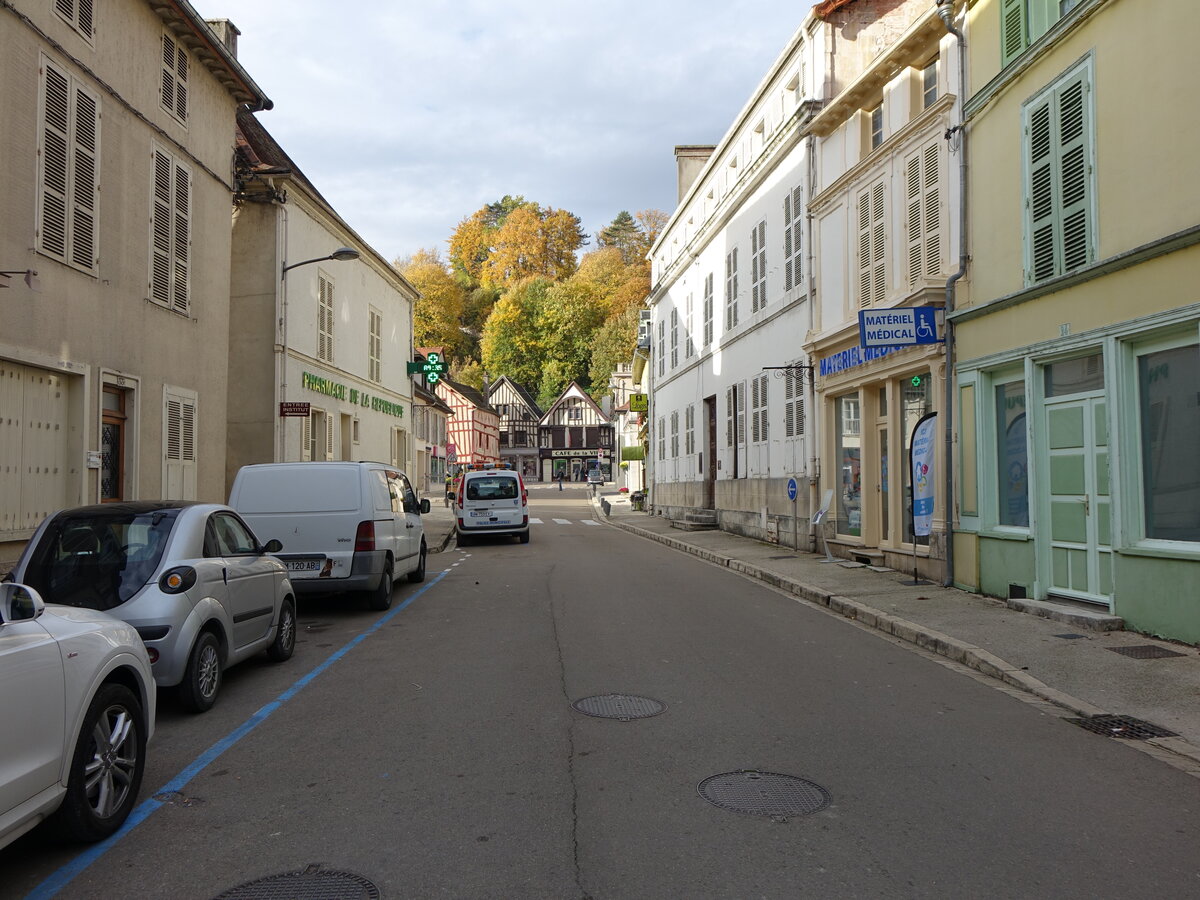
x: 708, y: 310
x: 68, y: 172
x: 675, y: 434
x: 179, y: 443
x: 355, y: 433
x: 877, y: 126
x: 174, y: 92
x: 662, y: 347
x: 689, y: 426
x: 689, y: 330
x: 662, y: 438
x: 1023, y: 22
x: 922, y: 197
x: 758, y: 266
x: 793, y: 245
x: 78, y: 14
x: 324, y: 317
x: 1012, y: 451
x: 759, y: 408
x: 872, y: 245
x: 735, y: 415
x: 1060, y: 176
x: 171, y: 233
x: 793, y: 404
x: 729, y: 420
x: 674, y: 337
x: 375, y: 347
x: 731, y: 290
x: 929, y: 84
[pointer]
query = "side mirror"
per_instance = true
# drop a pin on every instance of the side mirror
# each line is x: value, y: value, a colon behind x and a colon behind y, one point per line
x: 274, y: 545
x: 20, y: 603
x: 424, y: 506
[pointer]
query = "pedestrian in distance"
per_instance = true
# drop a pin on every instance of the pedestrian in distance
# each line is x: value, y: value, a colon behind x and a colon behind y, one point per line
x: 560, y: 479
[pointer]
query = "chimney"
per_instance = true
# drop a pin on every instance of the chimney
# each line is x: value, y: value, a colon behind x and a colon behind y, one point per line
x: 227, y: 32
x: 690, y: 159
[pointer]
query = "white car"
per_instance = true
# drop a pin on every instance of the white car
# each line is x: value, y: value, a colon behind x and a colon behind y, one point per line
x: 76, y: 711
x: 491, y: 501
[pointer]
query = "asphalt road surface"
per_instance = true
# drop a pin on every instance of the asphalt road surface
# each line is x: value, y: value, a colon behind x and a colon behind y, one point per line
x: 433, y: 751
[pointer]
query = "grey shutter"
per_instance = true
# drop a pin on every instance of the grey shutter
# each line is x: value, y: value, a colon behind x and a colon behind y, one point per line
x: 181, y: 244
x: 878, y: 245
x: 787, y: 242
x: 912, y: 199
x: 729, y: 417
x: 755, y: 434
x: 864, y: 248
x: 1043, y: 211
x: 160, y: 229
x: 932, y: 202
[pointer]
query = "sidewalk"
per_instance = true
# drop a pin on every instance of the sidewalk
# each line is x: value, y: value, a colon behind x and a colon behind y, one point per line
x: 438, y: 522
x: 1062, y: 660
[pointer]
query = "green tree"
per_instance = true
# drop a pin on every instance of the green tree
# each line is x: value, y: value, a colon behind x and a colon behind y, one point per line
x: 613, y: 344
x: 624, y: 235
x: 438, y: 312
x: 513, y: 341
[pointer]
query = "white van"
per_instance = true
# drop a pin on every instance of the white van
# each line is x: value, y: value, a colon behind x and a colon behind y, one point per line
x: 491, y: 501
x: 344, y: 526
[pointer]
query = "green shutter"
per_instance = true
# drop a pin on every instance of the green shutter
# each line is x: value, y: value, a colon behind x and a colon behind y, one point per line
x: 1074, y: 131
x: 1013, y: 30
x: 1040, y: 194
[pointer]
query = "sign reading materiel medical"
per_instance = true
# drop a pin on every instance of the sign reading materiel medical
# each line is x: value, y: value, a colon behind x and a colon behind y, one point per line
x: 339, y: 391
x: 639, y: 402
x: 921, y: 458
x: 433, y: 368
x: 905, y: 327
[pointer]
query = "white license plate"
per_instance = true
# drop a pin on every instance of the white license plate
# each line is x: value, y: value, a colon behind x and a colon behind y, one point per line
x: 481, y: 513
x: 303, y: 565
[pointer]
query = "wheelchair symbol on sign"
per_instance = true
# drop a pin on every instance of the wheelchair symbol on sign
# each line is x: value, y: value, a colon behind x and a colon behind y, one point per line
x: 924, y: 330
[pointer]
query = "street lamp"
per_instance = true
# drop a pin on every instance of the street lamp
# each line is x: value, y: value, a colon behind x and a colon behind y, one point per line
x: 342, y: 254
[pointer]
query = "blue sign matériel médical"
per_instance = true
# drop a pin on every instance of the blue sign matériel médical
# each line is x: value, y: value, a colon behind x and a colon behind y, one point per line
x: 904, y: 327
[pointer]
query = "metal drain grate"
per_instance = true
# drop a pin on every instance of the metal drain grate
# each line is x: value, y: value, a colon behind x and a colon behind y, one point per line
x: 1145, y: 651
x: 313, y: 883
x: 1122, y: 727
x: 1070, y: 637
x: 619, y: 706
x: 764, y: 794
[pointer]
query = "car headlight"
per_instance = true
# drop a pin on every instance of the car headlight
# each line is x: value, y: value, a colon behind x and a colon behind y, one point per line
x: 177, y: 580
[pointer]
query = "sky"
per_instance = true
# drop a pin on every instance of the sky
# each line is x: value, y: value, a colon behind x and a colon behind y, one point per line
x: 409, y: 116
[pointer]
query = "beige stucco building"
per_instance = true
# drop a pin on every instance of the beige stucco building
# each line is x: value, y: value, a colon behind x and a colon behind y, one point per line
x: 118, y: 129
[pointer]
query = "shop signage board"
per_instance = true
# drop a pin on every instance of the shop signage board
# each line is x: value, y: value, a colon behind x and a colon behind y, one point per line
x: 639, y: 402
x: 433, y: 368
x: 923, y: 440
x: 905, y: 327
x: 293, y: 408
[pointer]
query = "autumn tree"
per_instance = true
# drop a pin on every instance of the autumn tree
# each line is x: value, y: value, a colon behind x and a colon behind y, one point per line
x: 438, y: 312
x: 612, y: 345
x: 512, y: 341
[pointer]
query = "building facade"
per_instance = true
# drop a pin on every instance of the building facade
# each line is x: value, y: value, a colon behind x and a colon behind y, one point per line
x: 119, y: 124
x: 574, y: 435
x: 519, y: 417
x: 1078, y: 335
x: 474, y: 426
x: 320, y: 345
x: 431, y: 434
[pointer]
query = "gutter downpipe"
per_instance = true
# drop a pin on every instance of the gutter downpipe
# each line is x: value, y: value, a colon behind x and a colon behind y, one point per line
x: 814, y: 414
x: 945, y: 10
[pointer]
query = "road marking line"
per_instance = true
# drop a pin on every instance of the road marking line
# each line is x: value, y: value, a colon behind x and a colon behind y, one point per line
x: 562, y: 521
x: 535, y: 521
x: 588, y: 522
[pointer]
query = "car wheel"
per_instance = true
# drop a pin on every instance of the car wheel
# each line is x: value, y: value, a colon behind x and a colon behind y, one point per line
x: 461, y: 539
x: 202, y: 677
x: 418, y: 574
x: 106, y: 767
x: 525, y: 536
x: 381, y: 597
x: 284, y: 644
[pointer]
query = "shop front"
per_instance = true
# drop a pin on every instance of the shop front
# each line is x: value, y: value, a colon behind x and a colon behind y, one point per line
x: 573, y: 464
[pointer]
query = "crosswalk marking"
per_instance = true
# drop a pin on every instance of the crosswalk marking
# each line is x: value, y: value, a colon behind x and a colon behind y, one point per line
x: 589, y: 522
x: 562, y: 521
x: 535, y: 521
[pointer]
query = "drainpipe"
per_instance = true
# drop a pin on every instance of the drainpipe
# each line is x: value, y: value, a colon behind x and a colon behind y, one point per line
x: 945, y: 10
x: 813, y: 414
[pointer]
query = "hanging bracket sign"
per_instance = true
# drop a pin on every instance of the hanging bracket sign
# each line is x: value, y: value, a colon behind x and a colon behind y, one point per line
x: 903, y: 327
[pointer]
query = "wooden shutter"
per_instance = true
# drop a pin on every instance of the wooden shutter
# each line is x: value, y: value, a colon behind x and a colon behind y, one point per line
x: 181, y: 238
x: 85, y: 148
x: 878, y: 244
x: 1043, y: 212
x: 741, y: 413
x: 324, y: 318
x: 787, y: 241
x: 789, y: 412
x: 160, y: 270
x: 329, y: 435
x: 931, y: 186
x: 755, y: 434
x: 306, y: 438
x: 55, y: 160
x: 754, y: 273
x: 174, y: 78
x: 729, y: 417
x: 1013, y: 30
x: 179, y: 447
x: 1074, y: 151
x: 923, y: 202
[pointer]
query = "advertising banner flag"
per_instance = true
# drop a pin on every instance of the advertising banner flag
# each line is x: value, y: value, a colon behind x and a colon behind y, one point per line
x: 921, y: 457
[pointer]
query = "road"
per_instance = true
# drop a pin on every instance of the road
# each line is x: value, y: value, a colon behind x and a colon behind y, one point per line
x: 438, y: 753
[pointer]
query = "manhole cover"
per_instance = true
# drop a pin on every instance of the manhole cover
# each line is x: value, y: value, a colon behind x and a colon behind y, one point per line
x: 311, y: 884
x: 1145, y: 651
x: 764, y: 794
x: 1122, y: 727
x: 619, y: 706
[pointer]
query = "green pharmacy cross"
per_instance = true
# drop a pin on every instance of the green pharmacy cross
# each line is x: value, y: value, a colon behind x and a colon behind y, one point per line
x: 434, y: 368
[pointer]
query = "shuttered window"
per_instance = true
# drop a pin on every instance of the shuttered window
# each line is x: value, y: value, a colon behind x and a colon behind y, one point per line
x: 689, y: 323
x: 924, y: 213
x: 1060, y: 177
x: 1022, y: 22
x: 662, y: 347
x: 68, y: 169
x: 375, y: 348
x: 758, y: 409
x: 179, y: 444
x: 689, y: 422
x: 174, y: 94
x: 170, y: 233
x: 758, y: 266
x: 675, y: 434
x: 731, y: 289
x: 674, y: 338
x: 324, y: 318
x: 708, y: 310
x: 78, y: 14
x: 872, y: 246
x: 792, y: 245
x: 729, y: 417
x: 793, y: 404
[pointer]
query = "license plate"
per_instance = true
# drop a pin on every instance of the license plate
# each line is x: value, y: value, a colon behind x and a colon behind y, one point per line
x: 303, y: 565
x: 481, y: 513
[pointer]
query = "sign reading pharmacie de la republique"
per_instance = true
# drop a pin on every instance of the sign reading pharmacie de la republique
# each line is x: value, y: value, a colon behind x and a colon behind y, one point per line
x: 898, y: 327
x: 339, y: 391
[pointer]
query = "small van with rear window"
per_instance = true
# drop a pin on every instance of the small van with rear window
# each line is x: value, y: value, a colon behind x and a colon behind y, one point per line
x: 491, y: 501
x: 345, y: 526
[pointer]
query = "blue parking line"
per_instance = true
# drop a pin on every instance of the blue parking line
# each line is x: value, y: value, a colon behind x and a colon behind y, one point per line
x: 57, y: 881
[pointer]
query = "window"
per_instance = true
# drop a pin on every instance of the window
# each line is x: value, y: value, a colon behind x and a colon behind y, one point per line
x: 758, y: 266
x: 174, y: 95
x: 68, y: 169
x: 923, y: 199
x: 324, y: 317
x: 1170, y: 431
x: 1023, y: 22
x: 731, y: 289
x: 689, y: 424
x: 689, y: 340
x: 877, y: 126
x: 929, y: 84
x: 793, y: 222
x: 77, y: 14
x: 675, y: 434
x: 112, y: 444
x: 170, y: 232
x: 758, y: 409
x: 179, y: 444
x: 375, y: 347
x: 662, y: 438
x: 729, y: 436
x: 1059, y: 177
x: 1012, y: 455
x: 872, y: 234
x: 849, y: 460
x: 674, y: 338
x: 662, y: 347
x: 708, y: 309
x: 793, y: 403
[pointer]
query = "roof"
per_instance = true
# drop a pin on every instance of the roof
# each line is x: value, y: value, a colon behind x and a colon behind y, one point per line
x: 578, y: 392
x: 526, y: 397
x: 474, y: 397
x: 430, y: 398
